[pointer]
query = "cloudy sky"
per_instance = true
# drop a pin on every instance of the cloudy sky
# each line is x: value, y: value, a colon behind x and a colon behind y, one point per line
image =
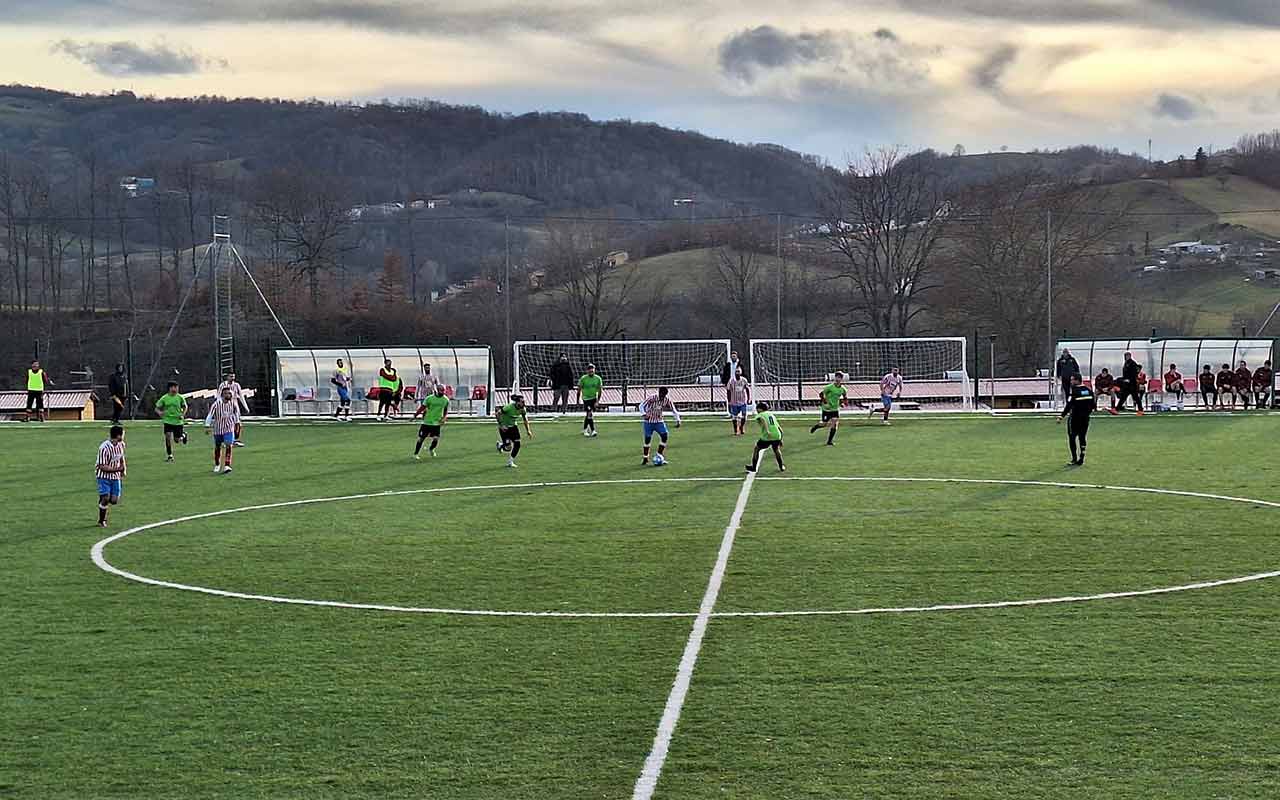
x: 830, y: 78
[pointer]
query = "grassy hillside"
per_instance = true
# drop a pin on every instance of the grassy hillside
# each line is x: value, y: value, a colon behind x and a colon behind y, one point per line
x: 1258, y: 202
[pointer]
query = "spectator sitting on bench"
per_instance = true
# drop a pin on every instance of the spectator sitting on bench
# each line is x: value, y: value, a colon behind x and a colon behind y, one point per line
x: 1244, y: 384
x: 1226, y: 388
x: 1208, y: 394
x: 1105, y: 385
x: 1174, y: 386
x: 1263, y: 385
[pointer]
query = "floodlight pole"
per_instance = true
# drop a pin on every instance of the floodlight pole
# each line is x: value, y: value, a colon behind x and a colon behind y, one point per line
x: 1048, y: 239
x: 993, y: 374
x: 506, y: 293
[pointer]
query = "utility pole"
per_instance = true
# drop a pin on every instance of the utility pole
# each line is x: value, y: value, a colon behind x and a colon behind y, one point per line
x: 778, y: 309
x: 506, y: 292
x: 1048, y: 238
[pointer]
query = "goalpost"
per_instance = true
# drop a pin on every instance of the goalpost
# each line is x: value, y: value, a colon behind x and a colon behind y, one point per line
x: 631, y: 369
x: 791, y: 372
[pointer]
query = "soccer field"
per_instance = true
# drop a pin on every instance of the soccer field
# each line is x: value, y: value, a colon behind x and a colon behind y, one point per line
x: 119, y: 688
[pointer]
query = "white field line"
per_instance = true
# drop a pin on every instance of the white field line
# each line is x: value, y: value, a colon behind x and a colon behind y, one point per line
x: 648, y: 780
x: 99, y: 559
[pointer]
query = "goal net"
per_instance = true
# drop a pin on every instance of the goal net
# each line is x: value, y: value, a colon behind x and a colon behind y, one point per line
x: 791, y: 372
x: 690, y: 368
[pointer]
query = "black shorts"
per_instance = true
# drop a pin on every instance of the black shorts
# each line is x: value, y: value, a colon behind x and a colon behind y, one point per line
x: 428, y: 431
x: 511, y: 434
x: 35, y: 400
x: 764, y: 443
x: 176, y: 430
x: 590, y: 405
x: 827, y: 416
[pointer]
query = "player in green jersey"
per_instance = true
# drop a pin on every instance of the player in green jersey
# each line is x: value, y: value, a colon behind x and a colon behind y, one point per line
x: 589, y: 388
x: 770, y: 437
x: 172, y: 408
x: 435, y: 410
x: 833, y: 396
x: 508, y: 429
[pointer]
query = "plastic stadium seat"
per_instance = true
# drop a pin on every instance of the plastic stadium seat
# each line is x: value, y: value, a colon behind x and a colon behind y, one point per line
x: 1155, y: 386
x: 1190, y: 385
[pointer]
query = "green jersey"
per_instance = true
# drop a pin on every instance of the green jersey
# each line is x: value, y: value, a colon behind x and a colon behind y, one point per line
x: 436, y: 407
x: 590, y: 386
x: 171, y: 408
x: 831, y: 397
x: 508, y: 415
x: 770, y: 429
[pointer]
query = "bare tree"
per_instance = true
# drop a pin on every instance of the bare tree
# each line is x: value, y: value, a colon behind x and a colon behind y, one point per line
x: 733, y: 292
x: 998, y: 264
x: 882, y: 219
x: 307, y: 214
x: 593, y: 294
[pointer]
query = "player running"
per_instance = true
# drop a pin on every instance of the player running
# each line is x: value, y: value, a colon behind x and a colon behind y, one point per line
x: 1080, y: 404
x: 508, y: 429
x: 589, y: 388
x: 770, y: 437
x: 172, y: 408
x: 110, y: 471
x: 435, y: 410
x: 653, y: 408
x: 738, y: 390
x: 224, y: 419
x: 426, y: 387
x: 890, y: 390
x: 341, y: 380
x: 833, y: 397
x: 237, y: 394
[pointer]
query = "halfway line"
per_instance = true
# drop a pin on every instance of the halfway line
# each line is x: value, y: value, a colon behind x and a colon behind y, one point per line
x: 648, y: 780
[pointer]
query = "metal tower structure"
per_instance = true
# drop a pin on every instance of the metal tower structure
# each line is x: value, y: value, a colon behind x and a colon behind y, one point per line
x: 222, y: 257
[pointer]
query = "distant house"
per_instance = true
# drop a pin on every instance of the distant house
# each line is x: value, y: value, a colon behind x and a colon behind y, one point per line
x: 617, y: 258
x: 1180, y: 248
x: 133, y: 186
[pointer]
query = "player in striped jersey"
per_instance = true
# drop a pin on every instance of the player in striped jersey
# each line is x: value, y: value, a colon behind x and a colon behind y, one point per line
x: 224, y: 419
x: 110, y: 472
x: 237, y: 394
x: 653, y: 408
x: 890, y: 389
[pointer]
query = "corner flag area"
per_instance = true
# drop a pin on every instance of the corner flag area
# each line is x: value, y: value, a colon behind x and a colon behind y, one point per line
x: 937, y: 608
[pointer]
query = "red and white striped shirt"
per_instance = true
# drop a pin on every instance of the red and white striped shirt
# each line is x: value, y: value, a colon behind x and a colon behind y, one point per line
x: 653, y: 406
x: 890, y: 384
x: 237, y: 392
x: 224, y: 416
x: 111, y: 460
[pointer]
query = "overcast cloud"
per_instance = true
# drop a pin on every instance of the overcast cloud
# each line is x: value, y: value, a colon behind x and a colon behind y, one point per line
x: 824, y: 76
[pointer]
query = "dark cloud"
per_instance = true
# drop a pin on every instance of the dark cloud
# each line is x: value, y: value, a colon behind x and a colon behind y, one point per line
x: 1177, y: 107
x: 122, y: 59
x: 1149, y: 13
x: 886, y: 35
x: 988, y: 74
x: 766, y: 47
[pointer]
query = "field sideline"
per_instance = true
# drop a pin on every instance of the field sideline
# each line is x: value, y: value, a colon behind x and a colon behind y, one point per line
x: 115, y: 688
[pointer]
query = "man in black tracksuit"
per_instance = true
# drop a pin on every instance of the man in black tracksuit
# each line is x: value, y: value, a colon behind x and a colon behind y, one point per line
x: 1065, y: 368
x: 118, y: 387
x: 562, y: 382
x: 1129, y: 383
x: 1079, y: 406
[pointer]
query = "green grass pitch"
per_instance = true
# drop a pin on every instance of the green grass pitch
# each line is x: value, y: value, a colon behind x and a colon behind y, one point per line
x: 115, y: 689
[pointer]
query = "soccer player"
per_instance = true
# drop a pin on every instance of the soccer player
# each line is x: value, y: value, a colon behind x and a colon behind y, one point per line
x: 435, y: 410
x: 110, y: 471
x: 37, y: 381
x: 508, y: 429
x: 1244, y: 384
x: 1226, y: 387
x: 397, y: 395
x: 770, y: 437
x: 738, y: 391
x: 561, y: 382
x: 172, y: 408
x: 1263, y: 385
x: 891, y: 389
x: 589, y: 388
x: 224, y: 419
x: 387, y: 380
x: 426, y: 387
x: 118, y: 387
x: 341, y: 379
x: 1080, y: 405
x: 237, y: 394
x: 1173, y: 384
x: 833, y: 397
x: 1208, y: 394
x: 653, y: 408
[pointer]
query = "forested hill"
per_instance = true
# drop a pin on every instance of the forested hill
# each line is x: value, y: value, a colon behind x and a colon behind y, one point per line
x: 386, y: 152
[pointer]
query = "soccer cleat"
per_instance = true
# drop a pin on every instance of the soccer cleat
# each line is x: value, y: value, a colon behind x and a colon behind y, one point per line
x: 217, y: 469
x: 184, y: 438
x: 782, y: 469
x: 830, y: 444
x: 102, y: 524
x: 237, y: 443
x: 886, y: 422
x: 750, y: 468
x: 594, y: 433
x: 417, y: 457
x: 1140, y: 413
x: 433, y: 453
x: 586, y: 434
x: 511, y: 463
x: 168, y: 459
x: 226, y: 470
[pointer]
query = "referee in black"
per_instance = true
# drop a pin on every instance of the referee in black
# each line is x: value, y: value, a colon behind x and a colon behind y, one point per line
x: 1080, y: 404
